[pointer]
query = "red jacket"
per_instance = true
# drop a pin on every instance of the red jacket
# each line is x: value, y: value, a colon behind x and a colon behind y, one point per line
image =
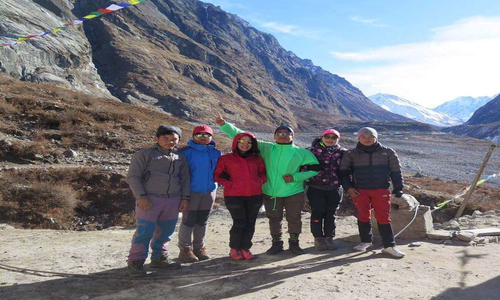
x: 246, y: 174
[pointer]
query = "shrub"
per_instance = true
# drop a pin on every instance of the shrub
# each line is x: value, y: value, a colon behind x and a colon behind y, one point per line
x: 38, y: 205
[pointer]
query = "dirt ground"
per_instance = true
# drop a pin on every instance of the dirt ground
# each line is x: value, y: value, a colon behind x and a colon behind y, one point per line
x: 47, y: 264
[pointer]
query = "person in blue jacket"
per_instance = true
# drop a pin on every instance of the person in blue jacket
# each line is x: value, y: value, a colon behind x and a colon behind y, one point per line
x: 202, y: 157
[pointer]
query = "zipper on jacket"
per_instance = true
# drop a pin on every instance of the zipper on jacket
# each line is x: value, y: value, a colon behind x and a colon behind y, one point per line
x: 168, y: 172
x: 371, y: 165
x: 276, y: 181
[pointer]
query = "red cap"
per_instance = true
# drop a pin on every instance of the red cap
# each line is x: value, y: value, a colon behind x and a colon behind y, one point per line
x: 331, y: 130
x: 203, y: 128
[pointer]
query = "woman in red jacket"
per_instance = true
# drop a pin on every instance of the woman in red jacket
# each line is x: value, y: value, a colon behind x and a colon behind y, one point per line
x: 242, y: 174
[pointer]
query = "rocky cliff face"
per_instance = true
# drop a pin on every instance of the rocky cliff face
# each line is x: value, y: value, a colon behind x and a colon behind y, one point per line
x: 63, y: 59
x: 186, y: 57
x: 484, y: 123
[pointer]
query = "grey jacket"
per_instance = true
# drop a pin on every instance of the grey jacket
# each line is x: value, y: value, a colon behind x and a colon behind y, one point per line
x: 371, y: 170
x: 162, y: 172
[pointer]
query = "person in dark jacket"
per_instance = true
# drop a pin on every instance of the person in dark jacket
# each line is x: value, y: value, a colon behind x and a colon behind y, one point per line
x: 159, y: 179
x: 324, y: 190
x: 242, y: 174
x: 366, y: 172
x: 202, y: 157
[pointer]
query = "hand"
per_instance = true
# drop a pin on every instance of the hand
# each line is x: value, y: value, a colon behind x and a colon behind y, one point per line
x: 288, y: 178
x: 353, y: 192
x: 183, y: 205
x: 219, y: 119
x: 398, y: 192
x: 144, y: 203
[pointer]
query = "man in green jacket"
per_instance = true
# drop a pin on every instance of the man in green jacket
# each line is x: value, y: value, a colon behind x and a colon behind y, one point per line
x: 284, y: 188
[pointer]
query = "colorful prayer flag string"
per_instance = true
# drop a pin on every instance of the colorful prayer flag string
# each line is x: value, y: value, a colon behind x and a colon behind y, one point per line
x: 442, y: 204
x: 110, y: 9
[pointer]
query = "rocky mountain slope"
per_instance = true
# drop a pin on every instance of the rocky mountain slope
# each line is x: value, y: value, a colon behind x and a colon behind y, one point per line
x: 484, y: 123
x: 462, y: 107
x: 62, y: 59
x: 186, y: 57
x: 413, y: 110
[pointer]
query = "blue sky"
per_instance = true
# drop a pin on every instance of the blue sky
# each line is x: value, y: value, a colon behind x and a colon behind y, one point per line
x: 425, y: 51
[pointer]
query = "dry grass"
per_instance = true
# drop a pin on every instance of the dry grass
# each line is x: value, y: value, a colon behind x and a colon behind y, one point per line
x: 32, y: 112
x: 32, y: 197
x: 432, y: 191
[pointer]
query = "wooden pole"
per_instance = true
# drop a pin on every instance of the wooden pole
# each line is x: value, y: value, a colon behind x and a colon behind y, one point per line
x: 473, y: 186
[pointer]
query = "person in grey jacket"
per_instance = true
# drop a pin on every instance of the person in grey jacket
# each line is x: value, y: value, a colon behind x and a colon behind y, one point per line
x: 365, y: 173
x: 159, y: 179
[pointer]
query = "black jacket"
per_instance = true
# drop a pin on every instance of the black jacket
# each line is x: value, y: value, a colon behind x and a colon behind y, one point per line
x: 370, y: 168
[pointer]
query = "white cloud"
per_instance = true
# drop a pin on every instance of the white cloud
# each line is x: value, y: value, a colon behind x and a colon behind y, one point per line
x: 371, y: 22
x: 283, y: 28
x: 461, y: 60
x: 276, y: 27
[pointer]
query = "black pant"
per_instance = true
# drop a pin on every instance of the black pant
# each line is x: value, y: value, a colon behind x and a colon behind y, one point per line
x: 244, y: 210
x: 324, y: 205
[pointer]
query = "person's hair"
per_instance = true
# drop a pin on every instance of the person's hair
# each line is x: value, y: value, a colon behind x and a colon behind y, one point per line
x: 316, y: 141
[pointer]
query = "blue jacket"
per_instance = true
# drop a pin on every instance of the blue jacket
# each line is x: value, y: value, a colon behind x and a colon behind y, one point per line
x: 202, y: 160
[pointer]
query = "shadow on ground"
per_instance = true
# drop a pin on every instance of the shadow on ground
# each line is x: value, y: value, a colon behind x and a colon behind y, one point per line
x: 218, y: 278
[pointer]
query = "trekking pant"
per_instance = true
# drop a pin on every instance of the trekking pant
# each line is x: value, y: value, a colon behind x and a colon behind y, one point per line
x: 274, y: 211
x: 156, y: 226
x: 194, y: 222
x: 324, y: 205
x: 244, y: 210
x: 380, y: 200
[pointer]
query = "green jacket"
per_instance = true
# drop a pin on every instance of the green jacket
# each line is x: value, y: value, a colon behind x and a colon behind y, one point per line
x: 281, y: 160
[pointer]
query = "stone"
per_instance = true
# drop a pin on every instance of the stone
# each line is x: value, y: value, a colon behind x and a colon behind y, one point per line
x: 476, y: 214
x: 406, y: 201
x: 451, y: 225
x: 70, y: 153
x: 437, y: 226
x: 6, y: 227
x: 401, y: 217
x: 465, y: 236
x: 440, y: 235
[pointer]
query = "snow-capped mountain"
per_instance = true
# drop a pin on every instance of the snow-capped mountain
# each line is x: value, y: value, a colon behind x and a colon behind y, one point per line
x: 462, y: 107
x: 413, y: 110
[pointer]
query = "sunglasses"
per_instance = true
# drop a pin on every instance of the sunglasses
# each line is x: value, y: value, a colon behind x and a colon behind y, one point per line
x: 244, y: 142
x: 283, y: 134
x: 205, y: 135
x: 330, y: 137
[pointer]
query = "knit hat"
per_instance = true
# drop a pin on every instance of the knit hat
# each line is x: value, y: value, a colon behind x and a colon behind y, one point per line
x: 168, y: 129
x: 367, y: 131
x: 203, y: 128
x: 332, y: 131
x: 287, y: 127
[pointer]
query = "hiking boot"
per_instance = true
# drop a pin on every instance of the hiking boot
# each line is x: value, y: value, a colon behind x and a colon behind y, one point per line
x: 164, y: 262
x: 136, y: 268
x: 362, y: 247
x: 293, y: 246
x: 247, y: 254
x: 320, y: 244
x: 235, y: 254
x: 201, y: 254
x: 330, y: 245
x: 394, y: 252
x: 276, y: 248
x: 186, y: 255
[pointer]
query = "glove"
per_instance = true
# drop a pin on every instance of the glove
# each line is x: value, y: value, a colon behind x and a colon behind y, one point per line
x: 398, y: 192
